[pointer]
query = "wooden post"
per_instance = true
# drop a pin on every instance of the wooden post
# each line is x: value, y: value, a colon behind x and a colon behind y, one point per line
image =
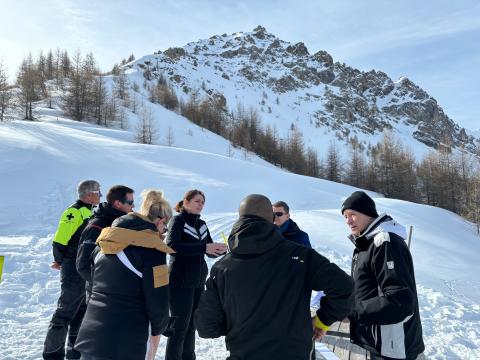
x: 409, y: 236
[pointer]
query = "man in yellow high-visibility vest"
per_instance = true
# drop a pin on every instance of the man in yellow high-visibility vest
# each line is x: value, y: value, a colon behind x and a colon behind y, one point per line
x: 71, y: 304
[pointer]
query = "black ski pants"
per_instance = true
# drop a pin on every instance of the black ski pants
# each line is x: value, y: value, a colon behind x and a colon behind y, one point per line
x: 68, y: 316
x: 183, y: 303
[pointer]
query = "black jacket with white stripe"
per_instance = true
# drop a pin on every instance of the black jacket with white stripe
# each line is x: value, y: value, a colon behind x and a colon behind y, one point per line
x: 188, y: 235
x: 386, y: 320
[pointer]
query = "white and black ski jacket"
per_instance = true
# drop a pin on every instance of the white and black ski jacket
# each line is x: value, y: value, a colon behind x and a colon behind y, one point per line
x: 386, y: 320
x: 188, y: 235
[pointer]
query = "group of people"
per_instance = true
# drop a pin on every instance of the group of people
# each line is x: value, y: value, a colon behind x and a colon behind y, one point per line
x: 118, y: 295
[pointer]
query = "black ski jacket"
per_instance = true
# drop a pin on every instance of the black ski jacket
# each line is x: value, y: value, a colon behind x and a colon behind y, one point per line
x: 258, y: 295
x: 130, y: 293
x: 103, y: 216
x: 188, y: 235
x: 386, y: 319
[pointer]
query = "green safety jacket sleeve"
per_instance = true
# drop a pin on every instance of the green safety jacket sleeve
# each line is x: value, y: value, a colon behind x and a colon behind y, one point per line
x: 70, y: 221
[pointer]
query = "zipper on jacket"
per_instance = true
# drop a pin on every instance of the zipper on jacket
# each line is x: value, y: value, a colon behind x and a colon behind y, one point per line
x: 355, y: 262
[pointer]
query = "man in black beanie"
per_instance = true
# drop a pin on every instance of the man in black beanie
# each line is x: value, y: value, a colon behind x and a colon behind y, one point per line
x: 386, y: 319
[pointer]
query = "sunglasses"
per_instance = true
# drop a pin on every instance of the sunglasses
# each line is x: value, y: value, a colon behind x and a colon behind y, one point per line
x: 97, y: 192
x: 278, y: 213
x: 129, y: 202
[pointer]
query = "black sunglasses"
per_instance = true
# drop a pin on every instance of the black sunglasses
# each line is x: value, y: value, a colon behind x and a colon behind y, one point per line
x: 129, y: 202
x: 278, y: 213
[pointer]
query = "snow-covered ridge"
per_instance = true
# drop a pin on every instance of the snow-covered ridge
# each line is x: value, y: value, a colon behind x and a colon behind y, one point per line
x: 325, y: 100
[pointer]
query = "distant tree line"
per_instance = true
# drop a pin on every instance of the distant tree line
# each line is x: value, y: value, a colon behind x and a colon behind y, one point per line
x: 446, y: 179
x: 76, y: 82
x: 442, y: 178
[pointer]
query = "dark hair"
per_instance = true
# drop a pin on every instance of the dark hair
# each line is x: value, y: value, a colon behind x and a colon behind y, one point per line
x: 189, y: 195
x: 118, y: 192
x: 282, y: 204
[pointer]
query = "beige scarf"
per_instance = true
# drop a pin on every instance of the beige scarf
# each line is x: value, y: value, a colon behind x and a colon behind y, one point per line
x: 112, y: 240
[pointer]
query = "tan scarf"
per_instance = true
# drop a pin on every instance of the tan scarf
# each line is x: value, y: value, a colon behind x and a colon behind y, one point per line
x: 112, y: 240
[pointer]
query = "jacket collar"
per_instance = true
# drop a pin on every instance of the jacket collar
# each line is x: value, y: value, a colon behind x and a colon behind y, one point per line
x: 289, y: 227
x: 106, y: 210
x: 285, y: 226
x: 190, y: 218
x: 383, y: 223
x: 81, y: 203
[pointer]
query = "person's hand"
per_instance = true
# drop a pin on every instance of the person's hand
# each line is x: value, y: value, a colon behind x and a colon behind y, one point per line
x: 55, y: 265
x: 318, y: 332
x: 216, y: 249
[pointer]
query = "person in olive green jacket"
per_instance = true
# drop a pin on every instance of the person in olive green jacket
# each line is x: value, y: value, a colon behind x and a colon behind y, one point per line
x: 71, y: 303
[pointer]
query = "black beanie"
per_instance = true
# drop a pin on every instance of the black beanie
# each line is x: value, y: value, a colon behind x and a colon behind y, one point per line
x: 361, y: 202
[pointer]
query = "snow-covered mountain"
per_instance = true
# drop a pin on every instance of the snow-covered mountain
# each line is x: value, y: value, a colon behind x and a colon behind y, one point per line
x: 41, y: 162
x: 325, y: 100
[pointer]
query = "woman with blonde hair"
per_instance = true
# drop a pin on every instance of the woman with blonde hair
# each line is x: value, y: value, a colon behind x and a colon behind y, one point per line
x: 190, y: 238
x: 130, y: 285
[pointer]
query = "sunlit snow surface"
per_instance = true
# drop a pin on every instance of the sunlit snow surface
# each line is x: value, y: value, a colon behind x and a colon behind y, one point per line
x: 41, y: 163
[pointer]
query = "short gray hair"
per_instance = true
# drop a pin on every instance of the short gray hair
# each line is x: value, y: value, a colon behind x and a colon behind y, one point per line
x: 86, y: 186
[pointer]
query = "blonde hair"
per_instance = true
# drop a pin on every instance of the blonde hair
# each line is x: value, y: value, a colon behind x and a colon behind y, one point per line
x: 154, y: 205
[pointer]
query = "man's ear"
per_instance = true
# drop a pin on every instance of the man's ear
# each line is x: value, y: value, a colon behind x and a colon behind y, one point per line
x: 117, y: 204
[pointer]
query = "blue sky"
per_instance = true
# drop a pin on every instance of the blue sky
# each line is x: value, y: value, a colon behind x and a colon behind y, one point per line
x: 434, y: 43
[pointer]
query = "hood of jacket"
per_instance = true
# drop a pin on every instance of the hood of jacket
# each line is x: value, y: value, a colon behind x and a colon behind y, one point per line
x: 253, y: 235
x: 384, y: 223
x: 131, y: 229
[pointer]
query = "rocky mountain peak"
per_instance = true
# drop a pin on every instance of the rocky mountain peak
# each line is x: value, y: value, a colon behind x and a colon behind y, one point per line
x: 328, y: 96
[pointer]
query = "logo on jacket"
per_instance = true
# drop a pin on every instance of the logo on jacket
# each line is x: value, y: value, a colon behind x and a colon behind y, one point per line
x: 297, y: 258
x: 390, y: 265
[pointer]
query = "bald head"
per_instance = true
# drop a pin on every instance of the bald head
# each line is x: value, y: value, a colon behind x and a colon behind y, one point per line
x: 258, y: 205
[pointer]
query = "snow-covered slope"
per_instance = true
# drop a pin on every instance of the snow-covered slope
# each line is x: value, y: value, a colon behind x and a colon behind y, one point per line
x: 41, y: 163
